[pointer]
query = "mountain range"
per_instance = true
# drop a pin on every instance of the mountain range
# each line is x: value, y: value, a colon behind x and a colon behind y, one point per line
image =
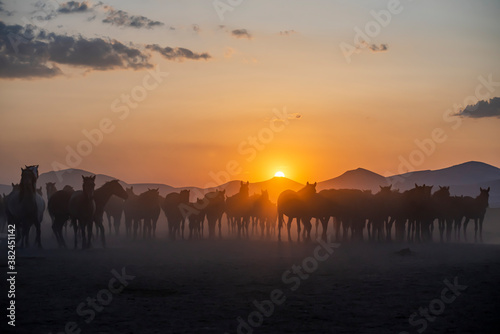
x: 463, y: 179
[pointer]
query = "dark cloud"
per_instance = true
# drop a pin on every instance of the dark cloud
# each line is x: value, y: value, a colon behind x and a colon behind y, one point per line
x: 241, y: 33
x: 74, y: 7
x: 178, y: 53
x: 3, y: 11
x: 287, y: 32
x: 375, y: 47
x: 124, y: 19
x: 482, y: 109
x: 26, y: 55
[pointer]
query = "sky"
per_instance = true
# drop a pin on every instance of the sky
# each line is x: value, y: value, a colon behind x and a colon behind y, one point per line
x: 190, y: 92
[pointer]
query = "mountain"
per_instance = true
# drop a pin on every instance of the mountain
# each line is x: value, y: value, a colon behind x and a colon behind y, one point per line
x: 355, y: 179
x: 468, y: 173
x: 463, y: 179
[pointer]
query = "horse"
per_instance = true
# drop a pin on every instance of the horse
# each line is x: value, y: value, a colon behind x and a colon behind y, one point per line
x: 58, y: 206
x: 24, y: 207
x: 215, y: 206
x: 417, y: 206
x: 296, y: 205
x: 130, y: 210
x: 266, y: 213
x: 443, y: 206
x: 50, y: 188
x: 114, y: 211
x: 101, y: 197
x: 239, y: 207
x: 175, y: 217
x: 147, y: 207
x: 82, y: 209
x: 475, y: 208
x: 195, y: 214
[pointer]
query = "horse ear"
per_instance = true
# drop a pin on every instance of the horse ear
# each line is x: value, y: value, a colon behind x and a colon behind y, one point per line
x: 315, y: 183
x: 390, y: 186
x: 416, y: 186
x: 307, y: 183
x: 83, y: 178
x: 488, y: 190
x: 241, y: 183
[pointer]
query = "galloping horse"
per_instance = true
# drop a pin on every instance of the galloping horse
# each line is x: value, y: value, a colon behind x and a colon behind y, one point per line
x: 24, y: 207
x: 82, y: 210
x: 296, y: 205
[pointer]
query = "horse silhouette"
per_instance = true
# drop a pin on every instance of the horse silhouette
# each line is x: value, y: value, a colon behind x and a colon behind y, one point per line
x: 24, y: 207
x: 172, y: 206
x: 296, y: 205
x: 239, y: 208
x: 417, y: 204
x: 114, y: 212
x: 195, y: 213
x: 266, y: 213
x: 101, y: 197
x: 215, y: 206
x: 475, y: 208
x: 147, y: 209
x: 50, y: 188
x: 130, y: 210
x: 443, y: 206
x: 82, y: 209
x: 58, y: 207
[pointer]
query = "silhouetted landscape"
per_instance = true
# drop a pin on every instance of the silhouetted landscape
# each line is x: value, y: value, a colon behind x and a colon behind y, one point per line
x: 237, y: 166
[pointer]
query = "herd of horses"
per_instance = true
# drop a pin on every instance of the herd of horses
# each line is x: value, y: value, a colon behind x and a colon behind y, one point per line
x: 411, y: 214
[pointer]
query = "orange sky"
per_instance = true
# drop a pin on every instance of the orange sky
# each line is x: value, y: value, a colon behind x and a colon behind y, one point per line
x: 203, y: 115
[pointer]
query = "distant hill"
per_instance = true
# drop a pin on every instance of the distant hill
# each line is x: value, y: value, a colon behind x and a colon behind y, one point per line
x: 464, y: 179
x: 355, y: 179
x: 468, y: 173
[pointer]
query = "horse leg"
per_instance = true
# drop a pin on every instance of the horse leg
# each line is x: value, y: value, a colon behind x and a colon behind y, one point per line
x: 75, y: 230
x: 465, y: 223
x: 476, y: 223
x: 481, y: 228
x: 100, y: 225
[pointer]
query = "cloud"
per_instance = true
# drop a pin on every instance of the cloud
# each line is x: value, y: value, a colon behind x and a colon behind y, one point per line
x: 482, y: 109
x: 373, y: 47
x: 287, y: 32
x: 295, y: 115
x: 3, y: 11
x: 178, y: 53
x: 74, y: 7
x: 23, y: 54
x: 124, y: 19
x: 241, y: 33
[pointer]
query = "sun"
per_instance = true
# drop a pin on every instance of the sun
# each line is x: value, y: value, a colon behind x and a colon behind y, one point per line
x: 279, y: 174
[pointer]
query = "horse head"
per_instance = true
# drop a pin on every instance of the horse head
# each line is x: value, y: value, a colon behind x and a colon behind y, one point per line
x: 88, y: 186
x: 116, y: 189
x: 28, y: 180
x: 244, y: 188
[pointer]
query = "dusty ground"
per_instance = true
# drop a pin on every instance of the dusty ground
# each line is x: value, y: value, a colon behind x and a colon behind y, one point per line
x: 205, y: 286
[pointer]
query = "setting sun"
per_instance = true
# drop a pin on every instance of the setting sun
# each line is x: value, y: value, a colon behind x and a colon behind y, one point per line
x: 279, y: 174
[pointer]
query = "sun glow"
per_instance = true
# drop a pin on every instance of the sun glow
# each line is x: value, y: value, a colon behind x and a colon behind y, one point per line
x: 279, y: 174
